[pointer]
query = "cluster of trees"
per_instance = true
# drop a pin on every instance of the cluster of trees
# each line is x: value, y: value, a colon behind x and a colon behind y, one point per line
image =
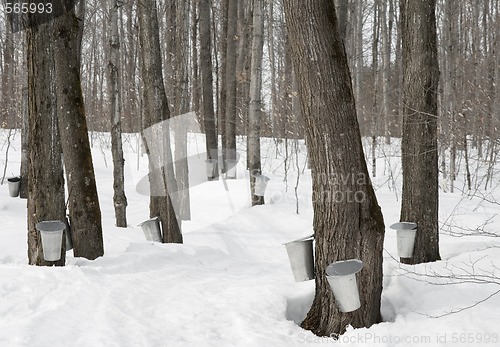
x: 329, y: 72
x: 191, y: 31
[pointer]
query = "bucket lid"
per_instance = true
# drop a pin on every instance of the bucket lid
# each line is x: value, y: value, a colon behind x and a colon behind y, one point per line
x: 404, y: 226
x: 344, y: 267
x: 14, y: 179
x: 302, y: 239
x: 154, y: 219
x: 51, y: 226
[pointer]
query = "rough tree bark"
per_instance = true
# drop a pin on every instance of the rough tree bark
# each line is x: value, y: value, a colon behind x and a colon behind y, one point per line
x: 385, y: 82
x: 419, y: 142
x: 254, y: 114
x: 343, y: 17
x: 7, y: 118
x: 207, y: 81
x: 243, y: 62
x: 84, y: 210
x: 195, y: 59
x: 496, y: 55
x: 348, y: 222
x: 358, y: 56
x: 181, y: 107
x: 45, y: 171
x: 23, y: 191
x: 375, y: 113
x: 222, y: 72
x: 156, y: 111
x: 271, y: 48
x: 230, y: 70
x: 119, y: 198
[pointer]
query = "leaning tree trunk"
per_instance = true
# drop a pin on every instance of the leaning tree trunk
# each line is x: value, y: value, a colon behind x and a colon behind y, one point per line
x: 419, y: 143
x: 254, y: 114
x: 84, y: 210
x: 119, y: 198
x: 348, y: 222
x: 156, y: 111
x: 45, y: 171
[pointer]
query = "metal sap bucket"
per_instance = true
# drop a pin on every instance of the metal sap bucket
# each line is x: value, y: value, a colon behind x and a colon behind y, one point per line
x: 231, y: 168
x: 341, y: 276
x: 151, y: 229
x: 406, y: 233
x: 14, y: 186
x: 211, y: 167
x: 51, y: 233
x: 260, y: 184
x: 301, y: 257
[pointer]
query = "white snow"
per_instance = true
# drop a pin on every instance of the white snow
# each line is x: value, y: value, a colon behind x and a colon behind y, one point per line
x: 230, y: 283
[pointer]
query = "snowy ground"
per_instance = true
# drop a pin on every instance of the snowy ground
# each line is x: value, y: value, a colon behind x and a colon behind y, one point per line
x: 230, y: 283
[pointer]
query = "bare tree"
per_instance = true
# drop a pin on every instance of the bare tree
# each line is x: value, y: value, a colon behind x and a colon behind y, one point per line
x: 195, y: 58
x: 84, y: 210
x: 230, y: 71
x: 345, y: 227
x: 375, y: 114
x: 23, y: 191
x: 181, y: 107
x: 119, y: 198
x: 7, y: 119
x: 45, y: 170
x: 342, y: 15
x: 244, y: 34
x: 161, y: 174
x: 419, y: 143
x: 207, y: 81
x: 386, y: 28
x: 254, y: 115
x: 222, y: 77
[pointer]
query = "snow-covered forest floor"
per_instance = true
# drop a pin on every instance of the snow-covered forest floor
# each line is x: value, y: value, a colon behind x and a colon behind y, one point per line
x: 230, y: 283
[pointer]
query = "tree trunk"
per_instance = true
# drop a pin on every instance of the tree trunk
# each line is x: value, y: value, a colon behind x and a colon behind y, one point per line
x: 375, y: 75
x: 224, y: 5
x: 45, y: 171
x: 119, y: 198
x: 386, y: 65
x: 342, y: 16
x: 23, y: 192
x: 496, y: 57
x: 399, y: 67
x: 156, y: 111
x: 358, y: 72
x: 231, y: 57
x: 181, y: 107
x: 84, y: 211
x: 254, y: 114
x: 272, y: 62
x: 207, y: 82
x: 347, y: 222
x: 7, y: 119
x: 419, y: 143
x: 195, y: 59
